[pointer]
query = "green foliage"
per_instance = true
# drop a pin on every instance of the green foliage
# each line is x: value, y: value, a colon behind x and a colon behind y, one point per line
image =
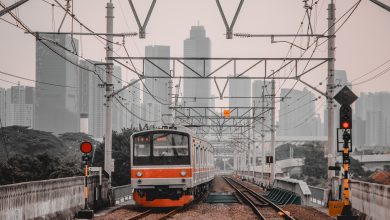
x: 37, y: 155
x: 23, y: 168
x: 315, y: 164
x: 121, y: 155
x: 22, y: 140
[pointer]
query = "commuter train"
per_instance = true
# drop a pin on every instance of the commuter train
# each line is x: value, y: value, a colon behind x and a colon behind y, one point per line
x: 169, y: 167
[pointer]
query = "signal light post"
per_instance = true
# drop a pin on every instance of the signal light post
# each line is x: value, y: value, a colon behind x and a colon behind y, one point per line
x: 345, y: 97
x: 86, y: 149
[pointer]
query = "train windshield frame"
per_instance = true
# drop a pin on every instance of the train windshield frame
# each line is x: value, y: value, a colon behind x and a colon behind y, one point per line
x: 161, y: 148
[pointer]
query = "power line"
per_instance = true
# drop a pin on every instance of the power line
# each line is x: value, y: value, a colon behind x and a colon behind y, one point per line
x: 373, y: 70
x: 31, y: 80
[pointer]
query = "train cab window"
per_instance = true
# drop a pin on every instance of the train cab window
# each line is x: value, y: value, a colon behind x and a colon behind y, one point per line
x: 170, y: 145
x: 141, y: 146
x: 161, y: 148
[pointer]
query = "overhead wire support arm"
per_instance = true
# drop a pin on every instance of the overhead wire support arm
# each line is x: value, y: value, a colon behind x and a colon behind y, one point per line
x: 229, y: 29
x: 12, y: 7
x: 382, y: 5
x: 142, y: 27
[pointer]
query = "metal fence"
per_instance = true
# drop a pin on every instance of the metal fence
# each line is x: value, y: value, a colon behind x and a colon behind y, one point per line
x: 122, y: 193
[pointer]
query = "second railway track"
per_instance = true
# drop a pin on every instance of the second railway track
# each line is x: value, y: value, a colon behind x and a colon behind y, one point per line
x: 262, y: 206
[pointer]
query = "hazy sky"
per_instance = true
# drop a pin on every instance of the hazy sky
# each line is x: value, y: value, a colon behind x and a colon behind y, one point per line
x: 363, y: 43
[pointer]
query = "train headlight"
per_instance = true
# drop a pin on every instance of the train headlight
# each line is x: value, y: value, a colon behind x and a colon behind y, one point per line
x: 183, y: 173
x: 139, y: 173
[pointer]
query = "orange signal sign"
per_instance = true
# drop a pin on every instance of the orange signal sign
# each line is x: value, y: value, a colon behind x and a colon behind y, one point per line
x: 226, y: 113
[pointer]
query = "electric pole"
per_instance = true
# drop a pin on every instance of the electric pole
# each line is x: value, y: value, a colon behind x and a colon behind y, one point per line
x: 331, y: 150
x: 272, y: 177
x: 109, y: 91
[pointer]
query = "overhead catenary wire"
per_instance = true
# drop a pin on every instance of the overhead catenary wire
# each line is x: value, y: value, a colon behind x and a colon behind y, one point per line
x: 41, y: 82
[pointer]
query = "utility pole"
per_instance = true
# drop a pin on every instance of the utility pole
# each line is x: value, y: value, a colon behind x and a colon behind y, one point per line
x: 109, y: 90
x: 263, y: 136
x: 331, y: 150
x: 253, y: 140
x: 273, y: 131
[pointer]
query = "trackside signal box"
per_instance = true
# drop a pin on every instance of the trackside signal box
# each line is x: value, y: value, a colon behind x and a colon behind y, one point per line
x: 86, y: 149
x: 343, y: 209
x: 269, y: 159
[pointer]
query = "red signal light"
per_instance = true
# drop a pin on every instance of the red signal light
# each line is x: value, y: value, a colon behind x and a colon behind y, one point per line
x: 86, y: 147
x: 345, y: 125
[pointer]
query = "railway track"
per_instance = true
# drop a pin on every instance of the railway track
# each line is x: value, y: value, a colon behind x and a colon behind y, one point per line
x: 169, y: 214
x: 263, y: 207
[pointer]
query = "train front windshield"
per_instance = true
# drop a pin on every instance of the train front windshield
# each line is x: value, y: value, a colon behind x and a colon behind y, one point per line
x: 161, y: 148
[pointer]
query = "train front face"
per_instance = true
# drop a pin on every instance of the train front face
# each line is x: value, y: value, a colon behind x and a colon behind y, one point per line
x: 161, y: 171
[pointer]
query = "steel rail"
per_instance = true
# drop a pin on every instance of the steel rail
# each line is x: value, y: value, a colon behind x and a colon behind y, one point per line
x: 141, y: 215
x: 266, y: 202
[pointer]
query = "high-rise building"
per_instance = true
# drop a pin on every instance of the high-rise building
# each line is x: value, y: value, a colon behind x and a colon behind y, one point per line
x: 297, y: 113
x: 92, y: 98
x: 117, y: 109
x: 57, y: 107
x: 341, y: 80
x: 19, y: 106
x: 238, y: 89
x: 197, y: 45
x: 158, y: 101
x: 2, y: 106
x: 134, y: 103
x: 261, y: 88
x: 373, y: 118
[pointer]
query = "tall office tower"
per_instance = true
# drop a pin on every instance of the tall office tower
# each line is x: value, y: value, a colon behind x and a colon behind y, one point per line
x: 2, y: 107
x: 297, y: 113
x: 92, y: 97
x: 19, y: 106
x: 341, y: 80
x: 117, y: 109
x: 262, y: 88
x: 158, y: 101
x: 372, y: 112
x: 57, y: 107
x: 239, y: 88
x: 134, y: 102
x: 197, y: 45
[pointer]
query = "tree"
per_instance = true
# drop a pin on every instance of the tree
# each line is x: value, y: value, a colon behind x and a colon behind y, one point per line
x: 121, y: 155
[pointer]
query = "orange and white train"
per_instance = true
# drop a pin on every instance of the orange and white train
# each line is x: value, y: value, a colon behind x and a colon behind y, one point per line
x: 169, y: 167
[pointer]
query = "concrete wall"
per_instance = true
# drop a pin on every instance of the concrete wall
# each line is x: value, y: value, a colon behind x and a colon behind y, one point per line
x: 371, y: 199
x: 48, y: 199
x: 297, y: 186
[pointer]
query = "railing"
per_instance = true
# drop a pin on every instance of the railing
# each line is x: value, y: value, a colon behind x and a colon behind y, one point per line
x: 317, y: 197
x: 55, y: 198
x: 122, y: 193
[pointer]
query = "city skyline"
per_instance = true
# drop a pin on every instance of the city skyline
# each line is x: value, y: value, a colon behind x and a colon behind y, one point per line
x: 375, y: 51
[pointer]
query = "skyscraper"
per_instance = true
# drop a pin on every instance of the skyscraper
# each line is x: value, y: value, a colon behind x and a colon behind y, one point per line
x: 341, y: 80
x: 197, y: 45
x: 117, y: 108
x: 262, y: 88
x: 135, y: 105
x: 157, y: 103
x: 297, y: 113
x: 239, y: 88
x: 57, y: 107
x: 19, y: 106
x: 372, y: 119
x: 92, y: 98
x: 2, y: 106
